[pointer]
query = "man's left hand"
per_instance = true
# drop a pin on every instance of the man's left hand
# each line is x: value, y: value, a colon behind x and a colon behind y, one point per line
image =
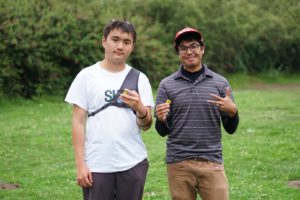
x: 224, y: 104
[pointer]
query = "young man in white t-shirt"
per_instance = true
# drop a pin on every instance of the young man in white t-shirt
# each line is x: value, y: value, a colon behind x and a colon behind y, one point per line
x: 111, y: 158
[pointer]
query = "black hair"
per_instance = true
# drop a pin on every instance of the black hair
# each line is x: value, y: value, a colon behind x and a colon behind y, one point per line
x: 123, y: 25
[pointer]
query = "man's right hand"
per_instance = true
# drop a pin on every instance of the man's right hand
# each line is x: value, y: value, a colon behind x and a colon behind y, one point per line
x: 84, y: 176
x: 162, y: 111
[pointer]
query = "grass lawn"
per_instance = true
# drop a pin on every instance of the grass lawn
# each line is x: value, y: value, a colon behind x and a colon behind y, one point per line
x: 260, y: 158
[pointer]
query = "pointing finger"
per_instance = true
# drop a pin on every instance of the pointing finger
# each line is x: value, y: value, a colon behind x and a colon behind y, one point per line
x: 216, y: 96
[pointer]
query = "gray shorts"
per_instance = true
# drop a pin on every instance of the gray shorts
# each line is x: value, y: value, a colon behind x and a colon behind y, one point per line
x: 123, y: 185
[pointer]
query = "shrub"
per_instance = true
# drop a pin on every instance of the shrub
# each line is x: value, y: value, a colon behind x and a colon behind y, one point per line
x: 44, y: 44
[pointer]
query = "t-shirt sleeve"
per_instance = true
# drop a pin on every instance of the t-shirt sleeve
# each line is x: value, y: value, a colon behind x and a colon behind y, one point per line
x: 145, y: 90
x: 77, y: 93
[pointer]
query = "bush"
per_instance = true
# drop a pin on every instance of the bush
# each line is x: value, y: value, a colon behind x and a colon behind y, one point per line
x: 46, y: 43
x: 42, y: 47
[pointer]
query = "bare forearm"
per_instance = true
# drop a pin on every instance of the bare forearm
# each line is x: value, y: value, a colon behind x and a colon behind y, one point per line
x: 78, y: 144
x: 144, y: 118
x: 78, y: 134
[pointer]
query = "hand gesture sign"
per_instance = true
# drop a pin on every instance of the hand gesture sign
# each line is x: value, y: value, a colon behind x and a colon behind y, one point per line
x: 224, y: 104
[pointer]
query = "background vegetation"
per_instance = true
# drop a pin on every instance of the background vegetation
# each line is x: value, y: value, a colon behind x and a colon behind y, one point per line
x: 44, y: 44
x: 260, y: 158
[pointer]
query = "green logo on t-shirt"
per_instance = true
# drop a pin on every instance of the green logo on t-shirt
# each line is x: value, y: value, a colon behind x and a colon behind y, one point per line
x: 110, y: 94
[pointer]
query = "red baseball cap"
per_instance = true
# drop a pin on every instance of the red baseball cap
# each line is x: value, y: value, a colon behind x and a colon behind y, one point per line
x: 186, y: 31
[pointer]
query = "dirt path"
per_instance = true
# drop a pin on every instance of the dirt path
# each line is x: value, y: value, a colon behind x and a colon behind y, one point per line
x: 9, y: 186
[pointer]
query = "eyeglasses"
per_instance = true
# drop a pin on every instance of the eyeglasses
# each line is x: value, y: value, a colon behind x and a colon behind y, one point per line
x: 193, y: 48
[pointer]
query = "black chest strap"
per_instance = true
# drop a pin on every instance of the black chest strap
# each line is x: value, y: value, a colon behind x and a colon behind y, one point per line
x: 130, y: 82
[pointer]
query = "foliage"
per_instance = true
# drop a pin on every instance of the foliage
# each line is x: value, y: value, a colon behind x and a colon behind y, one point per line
x: 44, y: 44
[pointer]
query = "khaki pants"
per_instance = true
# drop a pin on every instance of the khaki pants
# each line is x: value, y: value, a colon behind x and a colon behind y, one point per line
x: 189, y: 177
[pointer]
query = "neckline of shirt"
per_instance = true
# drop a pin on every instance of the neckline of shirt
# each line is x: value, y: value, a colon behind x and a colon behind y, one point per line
x: 103, y: 70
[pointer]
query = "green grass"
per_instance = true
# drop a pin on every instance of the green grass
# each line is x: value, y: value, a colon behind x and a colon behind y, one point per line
x: 244, y: 81
x: 260, y: 158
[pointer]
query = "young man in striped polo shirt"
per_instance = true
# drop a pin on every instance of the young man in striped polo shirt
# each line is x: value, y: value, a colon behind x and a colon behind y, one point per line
x: 191, y: 105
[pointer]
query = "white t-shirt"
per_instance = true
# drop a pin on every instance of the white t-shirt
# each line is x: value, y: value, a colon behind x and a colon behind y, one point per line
x: 112, y: 138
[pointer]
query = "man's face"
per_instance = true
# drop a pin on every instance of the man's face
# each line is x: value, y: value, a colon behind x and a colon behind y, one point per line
x: 190, y: 54
x: 118, y: 45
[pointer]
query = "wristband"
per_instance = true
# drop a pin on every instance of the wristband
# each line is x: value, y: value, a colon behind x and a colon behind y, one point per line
x: 146, y: 125
x: 142, y: 116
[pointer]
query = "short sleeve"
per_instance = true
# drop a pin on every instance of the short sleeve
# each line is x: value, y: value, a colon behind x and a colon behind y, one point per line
x: 77, y: 93
x: 145, y: 90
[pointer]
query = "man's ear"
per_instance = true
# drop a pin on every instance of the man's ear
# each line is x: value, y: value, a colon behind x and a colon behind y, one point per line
x: 103, y: 42
x: 203, y: 49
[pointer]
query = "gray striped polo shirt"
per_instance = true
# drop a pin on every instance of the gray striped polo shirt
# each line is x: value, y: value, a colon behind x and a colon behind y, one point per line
x: 193, y: 125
